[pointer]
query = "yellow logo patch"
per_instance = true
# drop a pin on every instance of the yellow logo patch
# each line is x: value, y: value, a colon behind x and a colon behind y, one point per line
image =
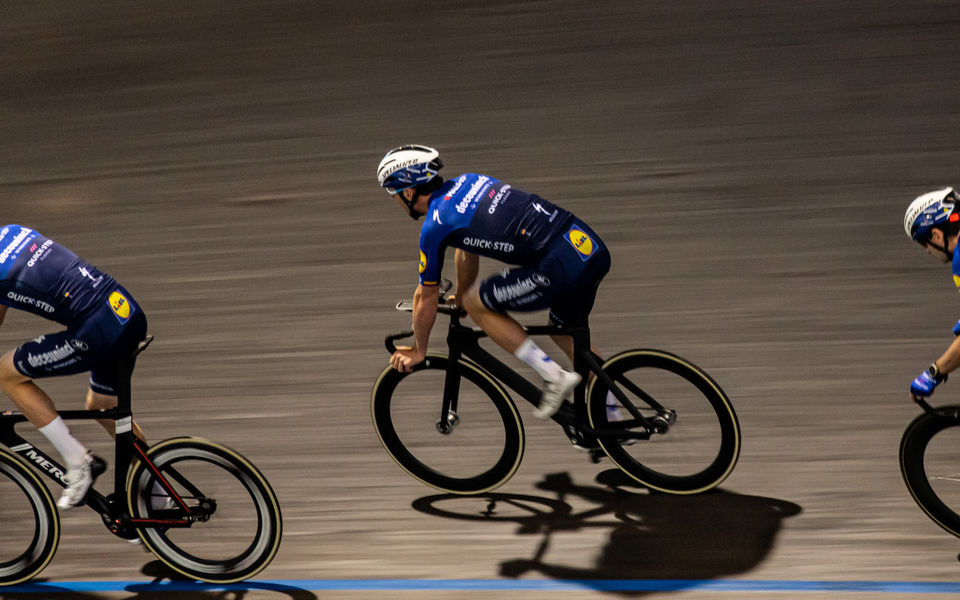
x: 956, y: 281
x: 580, y: 241
x: 423, y: 262
x: 120, y: 305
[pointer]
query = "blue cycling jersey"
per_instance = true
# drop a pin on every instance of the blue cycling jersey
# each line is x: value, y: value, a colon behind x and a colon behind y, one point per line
x: 956, y: 266
x: 42, y: 277
x: 480, y: 214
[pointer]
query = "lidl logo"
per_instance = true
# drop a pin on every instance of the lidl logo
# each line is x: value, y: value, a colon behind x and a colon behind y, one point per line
x: 581, y: 242
x: 423, y: 262
x: 119, y: 305
x: 956, y: 281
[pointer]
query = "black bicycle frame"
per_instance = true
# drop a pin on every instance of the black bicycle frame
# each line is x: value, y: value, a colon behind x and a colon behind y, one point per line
x: 112, y: 507
x: 463, y: 341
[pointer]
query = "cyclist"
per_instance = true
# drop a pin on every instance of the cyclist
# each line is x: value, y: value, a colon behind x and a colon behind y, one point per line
x: 933, y: 221
x: 561, y: 261
x: 103, y: 325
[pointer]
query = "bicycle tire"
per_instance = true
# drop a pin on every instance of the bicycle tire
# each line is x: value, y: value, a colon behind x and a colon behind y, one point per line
x: 233, y: 543
x: 689, y: 442
x: 457, y: 475
x: 917, y: 466
x: 23, y: 555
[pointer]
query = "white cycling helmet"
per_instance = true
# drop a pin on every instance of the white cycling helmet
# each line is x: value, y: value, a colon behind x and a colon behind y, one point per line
x: 408, y: 166
x: 928, y: 211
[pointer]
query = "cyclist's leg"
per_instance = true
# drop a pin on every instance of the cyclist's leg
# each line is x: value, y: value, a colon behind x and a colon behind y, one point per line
x: 29, y: 399
x: 98, y: 401
x: 522, y: 289
x: 585, y: 259
x: 102, y: 393
x: 504, y: 330
x: 63, y: 353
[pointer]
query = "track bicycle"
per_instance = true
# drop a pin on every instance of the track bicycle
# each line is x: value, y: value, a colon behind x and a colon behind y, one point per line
x: 451, y: 423
x: 200, y: 507
x: 930, y: 464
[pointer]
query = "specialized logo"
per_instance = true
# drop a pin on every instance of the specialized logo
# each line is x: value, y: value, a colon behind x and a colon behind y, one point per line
x: 423, y: 262
x: 119, y: 305
x: 581, y: 242
x: 540, y: 209
x: 392, y: 167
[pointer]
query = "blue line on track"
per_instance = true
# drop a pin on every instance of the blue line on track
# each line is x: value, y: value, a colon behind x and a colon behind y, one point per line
x: 519, y: 585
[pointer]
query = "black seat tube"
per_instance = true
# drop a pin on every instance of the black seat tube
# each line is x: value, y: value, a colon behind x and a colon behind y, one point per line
x: 123, y: 423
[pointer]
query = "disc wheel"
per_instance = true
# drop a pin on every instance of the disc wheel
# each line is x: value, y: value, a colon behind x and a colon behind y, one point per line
x: 31, y: 523
x: 930, y: 465
x: 240, y: 526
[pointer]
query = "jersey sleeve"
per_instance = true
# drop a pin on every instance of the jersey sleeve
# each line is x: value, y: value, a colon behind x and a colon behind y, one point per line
x: 431, y: 257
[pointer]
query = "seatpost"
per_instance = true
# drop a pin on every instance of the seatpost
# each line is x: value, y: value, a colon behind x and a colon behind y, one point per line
x: 123, y: 419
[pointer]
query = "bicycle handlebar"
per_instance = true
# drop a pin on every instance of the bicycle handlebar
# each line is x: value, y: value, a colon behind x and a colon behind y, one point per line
x: 388, y: 342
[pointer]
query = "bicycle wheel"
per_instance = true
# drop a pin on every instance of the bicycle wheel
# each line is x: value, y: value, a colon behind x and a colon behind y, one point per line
x: 930, y: 465
x: 243, y: 531
x: 31, y: 524
x: 697, y: 451
x: 484, y: 438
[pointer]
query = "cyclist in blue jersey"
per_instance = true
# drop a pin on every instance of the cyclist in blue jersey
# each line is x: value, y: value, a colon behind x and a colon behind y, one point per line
x: 933, y: 220
x: 560, y: 260
x: 103, y: 325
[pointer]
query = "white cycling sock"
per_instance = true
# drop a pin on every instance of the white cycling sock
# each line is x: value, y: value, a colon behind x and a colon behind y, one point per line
x: 59, y: 435
x: 531, y: 354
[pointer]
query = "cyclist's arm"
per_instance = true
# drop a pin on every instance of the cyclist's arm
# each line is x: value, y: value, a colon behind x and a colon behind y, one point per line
x: 950, y: 359
x: 425, y: 301
x: 468, y: 264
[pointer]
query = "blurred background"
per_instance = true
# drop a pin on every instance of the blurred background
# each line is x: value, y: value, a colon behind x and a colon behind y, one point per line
x: 748, y: 163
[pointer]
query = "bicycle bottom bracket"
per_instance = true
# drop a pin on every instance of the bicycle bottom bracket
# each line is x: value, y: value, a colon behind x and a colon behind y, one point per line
x: 446, y: 427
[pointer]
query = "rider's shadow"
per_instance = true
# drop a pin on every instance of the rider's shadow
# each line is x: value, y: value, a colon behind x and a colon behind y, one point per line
x: 652, y: 536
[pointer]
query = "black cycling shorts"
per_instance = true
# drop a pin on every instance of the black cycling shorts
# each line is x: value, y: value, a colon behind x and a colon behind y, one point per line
x: 98, y: 344
x: 565, y: 280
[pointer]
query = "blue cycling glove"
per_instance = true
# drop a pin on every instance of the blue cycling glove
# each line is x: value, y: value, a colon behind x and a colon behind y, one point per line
x: 925, y: 383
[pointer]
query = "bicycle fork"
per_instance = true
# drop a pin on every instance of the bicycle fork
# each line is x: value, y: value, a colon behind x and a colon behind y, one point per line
x: 448, y: 406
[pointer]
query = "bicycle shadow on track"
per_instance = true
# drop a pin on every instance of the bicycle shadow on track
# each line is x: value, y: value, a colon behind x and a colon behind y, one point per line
x: 166, y: 584
x: 651, y: 536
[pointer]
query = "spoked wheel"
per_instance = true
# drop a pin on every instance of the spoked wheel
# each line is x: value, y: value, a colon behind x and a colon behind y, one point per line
x: 238, y: 526
x: 476, y: 447
x: 930, y: 465
x: 699, y: 439
x: 31, y: 524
